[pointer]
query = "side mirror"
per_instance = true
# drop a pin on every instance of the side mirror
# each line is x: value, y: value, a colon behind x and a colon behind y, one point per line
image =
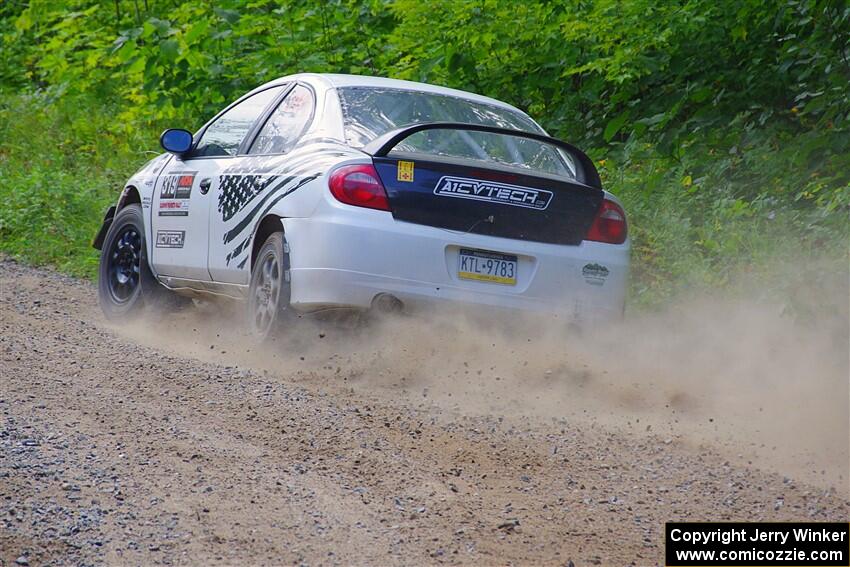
x: 176, y: 141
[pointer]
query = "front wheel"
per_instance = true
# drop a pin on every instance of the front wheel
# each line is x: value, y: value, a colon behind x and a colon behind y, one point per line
x: 269, y: 292
x: 125, y: 283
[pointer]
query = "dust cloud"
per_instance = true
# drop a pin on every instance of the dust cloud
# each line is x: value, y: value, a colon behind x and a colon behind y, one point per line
x: 760, y: 375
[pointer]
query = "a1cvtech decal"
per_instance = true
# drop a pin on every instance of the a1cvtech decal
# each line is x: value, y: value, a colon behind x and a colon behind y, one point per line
x: 479, y: 190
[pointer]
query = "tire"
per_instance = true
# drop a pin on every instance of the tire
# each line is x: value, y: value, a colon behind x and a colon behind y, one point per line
x: 268, y: 309
x: 125, y: 284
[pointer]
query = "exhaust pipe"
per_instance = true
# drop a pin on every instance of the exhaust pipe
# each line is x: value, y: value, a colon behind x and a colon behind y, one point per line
x: 387, y: 303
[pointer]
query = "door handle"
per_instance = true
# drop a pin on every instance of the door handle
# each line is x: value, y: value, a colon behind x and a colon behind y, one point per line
x: 205, y: 185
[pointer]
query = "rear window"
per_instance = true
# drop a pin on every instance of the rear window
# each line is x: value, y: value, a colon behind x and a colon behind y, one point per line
x: 369, y: 112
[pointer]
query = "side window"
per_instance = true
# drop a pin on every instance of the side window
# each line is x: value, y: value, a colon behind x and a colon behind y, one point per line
x: 223, y: 137
x: 286, y: 124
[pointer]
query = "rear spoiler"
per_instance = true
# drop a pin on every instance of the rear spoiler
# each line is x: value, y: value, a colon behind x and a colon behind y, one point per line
x: 587, y: 174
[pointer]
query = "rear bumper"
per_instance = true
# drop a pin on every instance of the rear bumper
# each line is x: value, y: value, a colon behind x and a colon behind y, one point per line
x: 346, y: 256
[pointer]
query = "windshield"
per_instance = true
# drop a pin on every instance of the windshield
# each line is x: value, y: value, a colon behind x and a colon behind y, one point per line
x: 369, y: 112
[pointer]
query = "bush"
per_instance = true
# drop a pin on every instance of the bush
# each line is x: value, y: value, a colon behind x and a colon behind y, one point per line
x: 724, y: 125
x: 62, y: 164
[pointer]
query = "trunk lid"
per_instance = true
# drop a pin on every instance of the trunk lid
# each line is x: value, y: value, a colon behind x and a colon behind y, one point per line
x: 481, y: 199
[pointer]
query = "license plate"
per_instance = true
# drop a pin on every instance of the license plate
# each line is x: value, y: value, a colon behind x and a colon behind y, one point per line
x: 484, y: 266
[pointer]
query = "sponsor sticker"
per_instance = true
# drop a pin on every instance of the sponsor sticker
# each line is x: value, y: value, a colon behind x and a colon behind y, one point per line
x: 502, y: 193
x: 174, y: 208
x: 177, y: 185
x: 175, y: 192
x: 595, y: 274
x: 405, y: 171
x: 170, y: 238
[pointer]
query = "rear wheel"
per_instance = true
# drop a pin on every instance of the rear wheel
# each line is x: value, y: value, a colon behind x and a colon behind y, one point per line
x: 269, y: 292
x: 125, y: 282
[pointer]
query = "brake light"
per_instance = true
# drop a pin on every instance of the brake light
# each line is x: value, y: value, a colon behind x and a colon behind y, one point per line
x: 610, y: 225
x: 359, y: 185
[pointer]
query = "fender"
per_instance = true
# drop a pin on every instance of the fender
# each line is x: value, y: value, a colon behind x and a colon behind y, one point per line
x: 142, y: 183
x: 280, y: 193
x: 97, y: 243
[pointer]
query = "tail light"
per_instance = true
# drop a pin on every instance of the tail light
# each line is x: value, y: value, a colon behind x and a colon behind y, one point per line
x: 359, y: 185
x: 609, y: 226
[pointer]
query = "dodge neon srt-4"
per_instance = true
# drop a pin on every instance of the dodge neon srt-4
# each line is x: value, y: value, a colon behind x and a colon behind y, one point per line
x: 318, y: 192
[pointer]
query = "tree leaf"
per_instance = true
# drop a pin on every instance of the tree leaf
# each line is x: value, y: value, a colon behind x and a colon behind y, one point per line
x: 614, y: 126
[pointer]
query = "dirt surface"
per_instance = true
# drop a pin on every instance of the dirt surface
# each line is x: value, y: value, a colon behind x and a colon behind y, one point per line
x: 177, y: 441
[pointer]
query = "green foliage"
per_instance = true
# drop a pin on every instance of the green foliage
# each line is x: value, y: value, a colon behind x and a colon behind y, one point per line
x: 167, y: 59
x: 59, y: 168
x: 724, y: 125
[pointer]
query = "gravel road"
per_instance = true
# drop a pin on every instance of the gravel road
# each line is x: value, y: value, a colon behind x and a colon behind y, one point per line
x: 165, y: 444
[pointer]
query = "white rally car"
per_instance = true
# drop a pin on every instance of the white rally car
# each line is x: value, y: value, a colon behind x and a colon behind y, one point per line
x: 317, y: 192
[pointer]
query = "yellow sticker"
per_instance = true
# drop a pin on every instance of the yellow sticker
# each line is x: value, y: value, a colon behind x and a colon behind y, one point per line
x: 486, y: 278
x: 405, y: 171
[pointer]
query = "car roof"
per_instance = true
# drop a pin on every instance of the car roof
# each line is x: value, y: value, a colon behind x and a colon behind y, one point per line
x: 334, y: 80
